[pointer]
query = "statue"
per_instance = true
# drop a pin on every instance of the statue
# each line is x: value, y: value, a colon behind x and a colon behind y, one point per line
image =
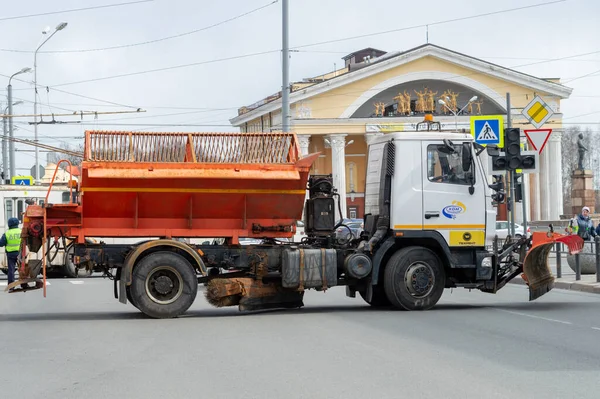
x: 421, y: 100
x: 446, y: 99
x: 453, y: 101
x: 400, y: 100
x: 479, y: 103
x: 379, y: 109
x: 581, y: 148
x: 407, y: 101
x: 431, y: 100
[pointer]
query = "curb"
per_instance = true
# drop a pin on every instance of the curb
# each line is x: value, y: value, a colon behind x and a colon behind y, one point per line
x: 592, y: 288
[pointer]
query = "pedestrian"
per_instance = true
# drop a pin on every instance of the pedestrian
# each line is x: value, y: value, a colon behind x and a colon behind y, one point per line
x: 585, y: 226
x: 12, y: 241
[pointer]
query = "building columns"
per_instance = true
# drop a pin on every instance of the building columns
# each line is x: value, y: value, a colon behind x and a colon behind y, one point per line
x: 338, y: 170
x: 303, y: 141
x: 369, y: 137
x: 544, y: 181
x: 554, y: 158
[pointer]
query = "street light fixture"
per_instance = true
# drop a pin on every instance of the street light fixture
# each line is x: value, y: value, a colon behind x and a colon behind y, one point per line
x: 11, y: 144
x: 59, y: 27
x: 442, y: 102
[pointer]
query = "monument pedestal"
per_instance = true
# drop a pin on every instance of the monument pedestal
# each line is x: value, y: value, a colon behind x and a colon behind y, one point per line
x: 582, y: 191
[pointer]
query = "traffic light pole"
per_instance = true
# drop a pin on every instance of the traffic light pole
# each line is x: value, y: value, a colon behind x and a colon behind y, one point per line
x: 511, y: 180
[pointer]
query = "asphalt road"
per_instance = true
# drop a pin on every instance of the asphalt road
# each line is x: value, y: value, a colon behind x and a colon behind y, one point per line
x: 79, y: 342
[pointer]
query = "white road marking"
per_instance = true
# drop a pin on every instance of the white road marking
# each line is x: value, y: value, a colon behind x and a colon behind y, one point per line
x: 596, y: 328
x: 3, y: 283
x: 534, y: 317
x: 76, y: 282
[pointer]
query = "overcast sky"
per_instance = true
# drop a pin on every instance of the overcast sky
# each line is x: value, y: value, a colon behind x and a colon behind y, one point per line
x: 210, y: 93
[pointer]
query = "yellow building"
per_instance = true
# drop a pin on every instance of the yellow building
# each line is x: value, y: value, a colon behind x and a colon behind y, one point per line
x: 340, y: 112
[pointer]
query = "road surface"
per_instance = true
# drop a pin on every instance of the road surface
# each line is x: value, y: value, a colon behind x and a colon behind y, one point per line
x: 80, y: 342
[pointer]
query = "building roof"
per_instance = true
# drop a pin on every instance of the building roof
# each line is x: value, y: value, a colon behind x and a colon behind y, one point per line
x: 392, y: 60
x: 371, y: 49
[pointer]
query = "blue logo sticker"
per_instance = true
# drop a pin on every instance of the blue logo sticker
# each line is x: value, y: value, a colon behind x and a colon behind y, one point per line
x: 451, y: 211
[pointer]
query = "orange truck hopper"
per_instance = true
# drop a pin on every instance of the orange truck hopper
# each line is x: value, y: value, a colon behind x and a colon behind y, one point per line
x: 231, y: 185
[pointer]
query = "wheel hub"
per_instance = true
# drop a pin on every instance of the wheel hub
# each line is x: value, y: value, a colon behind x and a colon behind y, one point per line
x: 164, y: 285
x: 419, y: 279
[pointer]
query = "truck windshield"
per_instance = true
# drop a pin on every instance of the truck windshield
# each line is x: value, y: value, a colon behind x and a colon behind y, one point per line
x: 446, y: 168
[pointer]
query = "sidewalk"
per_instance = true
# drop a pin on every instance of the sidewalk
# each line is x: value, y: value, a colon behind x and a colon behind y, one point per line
x: 567, y: 281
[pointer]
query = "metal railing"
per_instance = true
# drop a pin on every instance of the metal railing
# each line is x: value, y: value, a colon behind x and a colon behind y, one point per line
x: 232, y: 148
x: 594, y: 245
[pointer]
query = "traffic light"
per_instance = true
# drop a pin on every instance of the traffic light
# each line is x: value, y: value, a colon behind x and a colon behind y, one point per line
x: 497, y: 159
x: 498, y: 186
x: 512, y: 147
x: 518, y: 187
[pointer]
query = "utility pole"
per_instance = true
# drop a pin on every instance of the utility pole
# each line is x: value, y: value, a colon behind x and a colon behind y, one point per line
x: 285, y: 84
x: 4, y: 152
x: 11, y: 144
x: 511, y: 180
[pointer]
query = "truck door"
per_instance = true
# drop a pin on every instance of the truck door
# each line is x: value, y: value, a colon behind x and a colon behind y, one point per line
x: 448, y: 207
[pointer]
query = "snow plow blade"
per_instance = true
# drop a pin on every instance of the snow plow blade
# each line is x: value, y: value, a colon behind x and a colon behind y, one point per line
x: 536, y: 270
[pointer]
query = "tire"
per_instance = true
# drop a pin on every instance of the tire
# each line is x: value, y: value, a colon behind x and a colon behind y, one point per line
x: 164, y: 285
x: 71, y: 270
x: 129, y: 297
x: 378, y: 299
x: 427, y: 273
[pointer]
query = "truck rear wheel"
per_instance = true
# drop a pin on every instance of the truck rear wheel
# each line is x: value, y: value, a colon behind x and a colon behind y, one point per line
x: 70, y: 269
x: 414, y: 279
x: 164, y: 285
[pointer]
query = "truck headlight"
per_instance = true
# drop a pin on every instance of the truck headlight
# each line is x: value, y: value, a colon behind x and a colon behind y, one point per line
x: 486, y: 262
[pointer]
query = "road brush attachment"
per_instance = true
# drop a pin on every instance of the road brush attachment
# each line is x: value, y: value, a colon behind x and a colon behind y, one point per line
x: 536, y: 271
x: 251, y: 294
x: 28, y: 272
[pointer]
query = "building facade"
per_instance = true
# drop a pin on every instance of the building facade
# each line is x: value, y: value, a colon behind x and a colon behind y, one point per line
x: 339, y: 113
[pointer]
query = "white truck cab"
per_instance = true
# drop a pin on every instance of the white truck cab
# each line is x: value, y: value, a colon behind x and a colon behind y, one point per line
x: 438, y: 185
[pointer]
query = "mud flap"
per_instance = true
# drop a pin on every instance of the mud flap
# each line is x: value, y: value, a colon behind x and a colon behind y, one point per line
x: 536, y: 270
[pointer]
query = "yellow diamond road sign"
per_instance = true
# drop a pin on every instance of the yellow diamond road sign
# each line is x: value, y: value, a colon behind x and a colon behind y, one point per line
x: 537, y: 112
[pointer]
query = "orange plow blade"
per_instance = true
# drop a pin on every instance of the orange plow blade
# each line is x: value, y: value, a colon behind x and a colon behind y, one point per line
x: 536, y: 271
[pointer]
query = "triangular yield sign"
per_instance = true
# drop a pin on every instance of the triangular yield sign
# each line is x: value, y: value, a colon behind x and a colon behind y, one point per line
x: 538, y: 138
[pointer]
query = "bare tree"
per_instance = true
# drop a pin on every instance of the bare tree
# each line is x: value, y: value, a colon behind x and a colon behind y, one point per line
x: 54, y: 157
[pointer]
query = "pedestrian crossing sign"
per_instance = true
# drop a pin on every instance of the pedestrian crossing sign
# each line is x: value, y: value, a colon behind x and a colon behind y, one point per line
x: 488, y: 129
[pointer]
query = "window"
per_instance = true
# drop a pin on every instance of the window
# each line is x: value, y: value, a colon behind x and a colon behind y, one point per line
x: 65, y: 198
x: 447, y: 168
x: 20, y: 209
x: 8, y: 208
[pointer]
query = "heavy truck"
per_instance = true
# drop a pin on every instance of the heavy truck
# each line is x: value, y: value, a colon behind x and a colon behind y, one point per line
x: 429, y: 223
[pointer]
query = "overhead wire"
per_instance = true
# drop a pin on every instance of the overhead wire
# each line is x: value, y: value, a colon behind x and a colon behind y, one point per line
x: 151, y: 41
x: 75, y: 10
x: 546, y: 3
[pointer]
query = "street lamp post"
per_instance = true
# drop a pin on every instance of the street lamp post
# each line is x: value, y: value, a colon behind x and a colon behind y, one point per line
x: 4, y: 140
x: 11, y: 144
x: 60, y: 26
x: 442, y: 102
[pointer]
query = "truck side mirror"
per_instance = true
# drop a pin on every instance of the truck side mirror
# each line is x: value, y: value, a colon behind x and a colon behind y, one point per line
x: 467, y: 157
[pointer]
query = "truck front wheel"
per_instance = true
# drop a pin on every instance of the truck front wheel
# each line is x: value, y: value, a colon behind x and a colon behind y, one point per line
x: 414, y: 279
x: 164, y: 285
